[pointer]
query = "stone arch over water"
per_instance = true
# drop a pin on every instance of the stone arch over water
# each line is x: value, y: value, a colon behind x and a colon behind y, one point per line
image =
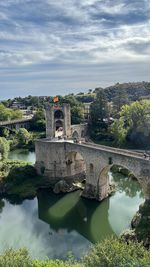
x: 75, y: 164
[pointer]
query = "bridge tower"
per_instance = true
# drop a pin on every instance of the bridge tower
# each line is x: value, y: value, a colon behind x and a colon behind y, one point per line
x: 58, y: 116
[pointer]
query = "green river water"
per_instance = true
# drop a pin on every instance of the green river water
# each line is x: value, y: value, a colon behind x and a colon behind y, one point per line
x: 52, y: 225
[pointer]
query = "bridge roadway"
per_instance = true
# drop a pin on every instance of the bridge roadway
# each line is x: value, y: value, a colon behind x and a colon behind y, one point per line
x: 10, y: 122
x: 124, y: 152
x: 115, y: 150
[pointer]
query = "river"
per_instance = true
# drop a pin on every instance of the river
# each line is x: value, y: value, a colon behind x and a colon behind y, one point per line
x: 52, y: 225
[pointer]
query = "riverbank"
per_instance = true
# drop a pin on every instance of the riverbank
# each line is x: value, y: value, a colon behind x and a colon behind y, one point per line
x: 20, y: 179
x: 140, y: 226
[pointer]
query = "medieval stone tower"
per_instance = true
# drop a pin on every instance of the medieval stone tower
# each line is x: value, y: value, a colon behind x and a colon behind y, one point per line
x: 58, y: 116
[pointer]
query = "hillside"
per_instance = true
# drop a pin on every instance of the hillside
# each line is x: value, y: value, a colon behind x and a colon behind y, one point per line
x: 133, y: 91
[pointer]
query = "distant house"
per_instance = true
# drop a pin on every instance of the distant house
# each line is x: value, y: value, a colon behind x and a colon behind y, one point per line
x: 17, y: 105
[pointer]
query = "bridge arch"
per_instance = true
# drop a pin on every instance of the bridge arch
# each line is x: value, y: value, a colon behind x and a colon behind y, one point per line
x: 104, y: 181
x: 58, y: 124
x: 75, y: 135
x: 75, y: 165
x: 58, y: 114
x: 102, y: 158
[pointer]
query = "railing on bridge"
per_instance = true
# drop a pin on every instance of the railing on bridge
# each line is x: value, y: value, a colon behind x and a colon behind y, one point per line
x: 113, y: 149
x: 3, y: 123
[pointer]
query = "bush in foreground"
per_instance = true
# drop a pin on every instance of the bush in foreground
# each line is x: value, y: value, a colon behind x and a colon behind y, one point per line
x: 111, y: 252
x: 114, y: 252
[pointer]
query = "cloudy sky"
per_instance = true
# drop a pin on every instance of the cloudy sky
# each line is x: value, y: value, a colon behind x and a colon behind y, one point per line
x: 50, y: 47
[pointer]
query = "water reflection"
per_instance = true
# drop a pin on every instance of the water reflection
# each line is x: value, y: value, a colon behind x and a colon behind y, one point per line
x: 73, y: 213
x: 126, y: 184
x: 51, y: 225
x: 2, y: 205
x: 124, y: 203
x: 22, y: 154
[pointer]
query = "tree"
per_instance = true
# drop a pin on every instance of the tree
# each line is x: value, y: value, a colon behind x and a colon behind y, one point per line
x: 119, y: 100
x: 4, y: 148
x: 133, y: 124
x: 77, y: 109
x: 99, y: 117
x: 77, y: 114
x: 99, y: 108
x: 114, y: 252
x: 4, y: 132
x: 38, y: 121
x: 9, y: 114
x: 23, y: 136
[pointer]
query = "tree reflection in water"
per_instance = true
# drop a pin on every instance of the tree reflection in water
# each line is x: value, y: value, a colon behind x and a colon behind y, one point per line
x: 2, y: 205
x: 126, y: 184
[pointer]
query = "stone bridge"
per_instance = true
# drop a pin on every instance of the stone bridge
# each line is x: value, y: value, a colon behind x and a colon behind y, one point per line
x: 16, y: 124
x: 79, y: 131
x: 69, y: 161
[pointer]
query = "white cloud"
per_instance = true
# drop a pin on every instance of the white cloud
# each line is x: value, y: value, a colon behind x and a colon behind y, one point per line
x: 74, y: 32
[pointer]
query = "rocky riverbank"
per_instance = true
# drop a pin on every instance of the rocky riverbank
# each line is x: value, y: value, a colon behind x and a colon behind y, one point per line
x: 140, y: 226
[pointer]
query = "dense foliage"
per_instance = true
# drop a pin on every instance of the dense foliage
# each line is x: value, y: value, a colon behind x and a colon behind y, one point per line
x: 110, y: 253
x: 23, y: 136
x: 141, y: 223
x: 9, y: 114
x: 116, y: 253
x: 4, y: 148
x: 99, y: 117
x: 38, y: 122
x: 133, y: 91
x: 133, y: 124
x: 77, y: 108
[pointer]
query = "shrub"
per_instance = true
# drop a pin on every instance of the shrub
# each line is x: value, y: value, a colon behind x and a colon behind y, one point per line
x: 114, y: 252
x: 12, y: 258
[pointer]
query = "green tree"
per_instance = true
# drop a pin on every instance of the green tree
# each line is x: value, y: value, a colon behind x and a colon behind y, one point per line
x: 119, y: 100
x: 77, y: 109
x: 134, y: 123
x: 119, y: 132
x: 9, y: 114
x: 99, y: 117
x: 4, y: 148
x: 114, y: 252
x: 38, y: 121
x: 4, y: 132
x: 23, y: 136
x: 99, y: 108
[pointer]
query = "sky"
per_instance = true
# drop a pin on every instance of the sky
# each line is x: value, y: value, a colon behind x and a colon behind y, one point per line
x: 50, y: 47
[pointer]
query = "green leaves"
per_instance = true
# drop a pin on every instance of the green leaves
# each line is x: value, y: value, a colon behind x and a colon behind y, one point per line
x: 4, y: 148
x: 9, y: 114
x: 114, y: 252
x: 111, y: 252
x: 23, y: 136
x: 134, y: 123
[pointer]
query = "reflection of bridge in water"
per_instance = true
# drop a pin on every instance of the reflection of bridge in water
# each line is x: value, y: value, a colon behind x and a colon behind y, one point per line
x: 71, y: 212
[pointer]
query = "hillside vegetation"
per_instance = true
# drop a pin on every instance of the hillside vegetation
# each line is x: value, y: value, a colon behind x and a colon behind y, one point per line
x: 133, y: 91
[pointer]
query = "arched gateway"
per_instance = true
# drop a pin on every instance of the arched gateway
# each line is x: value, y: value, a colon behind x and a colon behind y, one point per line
x: 67, y: 160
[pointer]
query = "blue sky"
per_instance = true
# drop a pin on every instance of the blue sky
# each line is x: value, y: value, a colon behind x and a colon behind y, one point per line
x: 52, y: 47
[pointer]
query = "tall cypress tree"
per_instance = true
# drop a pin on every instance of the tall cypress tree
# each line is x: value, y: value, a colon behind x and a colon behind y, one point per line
x: 99, y: 108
